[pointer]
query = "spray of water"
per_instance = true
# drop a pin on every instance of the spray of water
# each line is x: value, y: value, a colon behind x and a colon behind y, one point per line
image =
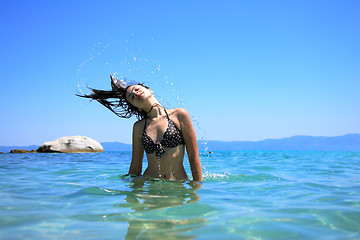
x: 126, y: 60
x: 97, y: 49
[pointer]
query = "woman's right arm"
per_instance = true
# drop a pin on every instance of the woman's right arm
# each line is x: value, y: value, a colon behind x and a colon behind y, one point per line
x: 137, y: 150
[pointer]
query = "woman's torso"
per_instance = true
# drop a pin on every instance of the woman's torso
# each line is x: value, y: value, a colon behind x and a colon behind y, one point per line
x: 169, y: 166
x: 165, y: 149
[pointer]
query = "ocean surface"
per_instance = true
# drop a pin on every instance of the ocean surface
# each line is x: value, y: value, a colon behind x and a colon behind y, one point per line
x: 244, y: 195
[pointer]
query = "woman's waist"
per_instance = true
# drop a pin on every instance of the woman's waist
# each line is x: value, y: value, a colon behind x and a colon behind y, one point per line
x: 165, y: 162
x: 179, y: 174
x: 163, y: 166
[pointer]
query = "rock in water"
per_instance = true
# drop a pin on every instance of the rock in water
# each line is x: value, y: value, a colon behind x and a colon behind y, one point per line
x: 73, y: 144
x: 19, y: 151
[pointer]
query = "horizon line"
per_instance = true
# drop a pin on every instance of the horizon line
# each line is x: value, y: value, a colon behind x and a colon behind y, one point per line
x: 214, y: 140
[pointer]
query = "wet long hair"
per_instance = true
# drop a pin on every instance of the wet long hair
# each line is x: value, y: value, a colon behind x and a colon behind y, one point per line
x: 115, y: 99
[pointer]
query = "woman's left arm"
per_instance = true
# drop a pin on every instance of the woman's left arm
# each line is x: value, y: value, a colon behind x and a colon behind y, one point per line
x: 190, y: 142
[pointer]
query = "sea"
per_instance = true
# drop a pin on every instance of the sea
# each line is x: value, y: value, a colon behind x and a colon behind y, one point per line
x: 244, y: 195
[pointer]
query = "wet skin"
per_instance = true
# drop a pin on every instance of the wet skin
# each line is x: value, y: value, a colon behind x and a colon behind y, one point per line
x: 170, y: 164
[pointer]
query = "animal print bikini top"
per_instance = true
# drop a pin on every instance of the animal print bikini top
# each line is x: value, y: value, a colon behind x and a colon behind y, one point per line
x: 172, y: 137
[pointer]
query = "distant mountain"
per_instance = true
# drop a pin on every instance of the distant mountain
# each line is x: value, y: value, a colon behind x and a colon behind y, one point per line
x: 108, y: 146
x: 348, y: 142
x: 9, y: 148
x: 116, y: 146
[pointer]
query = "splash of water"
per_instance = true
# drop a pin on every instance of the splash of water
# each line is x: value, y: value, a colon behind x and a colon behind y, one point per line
x: 131, y: 62
x: 97, y: 49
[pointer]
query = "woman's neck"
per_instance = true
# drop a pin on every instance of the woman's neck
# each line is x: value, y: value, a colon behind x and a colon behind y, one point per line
x: 156, y: 110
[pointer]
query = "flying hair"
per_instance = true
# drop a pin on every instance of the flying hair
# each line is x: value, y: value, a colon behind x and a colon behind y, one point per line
x: 115, y: 99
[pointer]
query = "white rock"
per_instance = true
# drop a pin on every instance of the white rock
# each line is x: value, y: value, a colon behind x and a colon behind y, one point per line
x: 72, y: 144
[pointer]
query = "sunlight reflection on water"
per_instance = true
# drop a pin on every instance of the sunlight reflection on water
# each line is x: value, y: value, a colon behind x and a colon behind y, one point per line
x: 245, y: 194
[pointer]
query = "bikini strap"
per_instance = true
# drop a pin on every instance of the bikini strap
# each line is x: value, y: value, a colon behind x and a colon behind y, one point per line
x: 167, y: 115
x: 145, y: 124
x: 147, y: 115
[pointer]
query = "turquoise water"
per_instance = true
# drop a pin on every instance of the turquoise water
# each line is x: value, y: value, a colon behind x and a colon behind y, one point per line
x: 244, y: 195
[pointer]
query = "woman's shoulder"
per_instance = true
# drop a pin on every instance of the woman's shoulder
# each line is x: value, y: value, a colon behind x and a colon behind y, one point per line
x: 179, y: 113
x: 139, y: 125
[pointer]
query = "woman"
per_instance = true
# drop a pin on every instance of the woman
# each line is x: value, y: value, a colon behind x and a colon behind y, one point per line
x: 162, y: 133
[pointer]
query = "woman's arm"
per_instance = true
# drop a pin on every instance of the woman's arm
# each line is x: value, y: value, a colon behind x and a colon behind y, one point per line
x: 137, y: 150
x: 190, y: 143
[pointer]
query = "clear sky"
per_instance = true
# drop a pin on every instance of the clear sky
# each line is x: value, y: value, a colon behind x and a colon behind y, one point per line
x: 245, y: 70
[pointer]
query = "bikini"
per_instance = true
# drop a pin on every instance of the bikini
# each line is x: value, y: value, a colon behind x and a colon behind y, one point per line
x: 172, y: 137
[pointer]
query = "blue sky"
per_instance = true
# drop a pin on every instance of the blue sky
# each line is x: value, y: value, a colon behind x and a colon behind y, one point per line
x: 245, y: 70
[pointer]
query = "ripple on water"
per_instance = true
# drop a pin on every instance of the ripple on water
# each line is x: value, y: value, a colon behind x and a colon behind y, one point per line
x: 264, y: 195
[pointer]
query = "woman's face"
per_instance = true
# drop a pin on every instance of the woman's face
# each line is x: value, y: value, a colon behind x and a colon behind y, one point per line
x: 136, y: 94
